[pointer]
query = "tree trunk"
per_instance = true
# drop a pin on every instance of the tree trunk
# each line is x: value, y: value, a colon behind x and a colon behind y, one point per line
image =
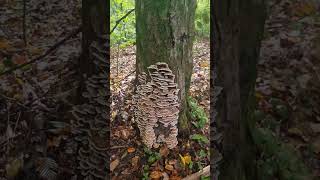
x: 238, y: 29
x: 94, y: 25
x: 165, y: 33
x: 90, y: 125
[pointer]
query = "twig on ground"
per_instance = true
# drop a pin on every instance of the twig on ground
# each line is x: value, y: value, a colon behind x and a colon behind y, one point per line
x: 117, y: 147
x: 119, y: 20
x: 196, y: 176
x: 16, y: 124
x: 49, y: 51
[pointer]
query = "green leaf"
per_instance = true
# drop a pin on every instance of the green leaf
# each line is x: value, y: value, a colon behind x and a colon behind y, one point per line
x: 199, y: 138
x: 199, y: 24
x: 202, y: 153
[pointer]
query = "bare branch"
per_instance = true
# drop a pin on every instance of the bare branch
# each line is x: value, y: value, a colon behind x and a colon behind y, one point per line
x: 118, y: 21
x: 49, y: 51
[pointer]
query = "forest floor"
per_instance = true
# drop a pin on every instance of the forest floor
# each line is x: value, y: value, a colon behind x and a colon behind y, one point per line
x: 32, y: 99
x: 129, y: 157
x: 288, y: 83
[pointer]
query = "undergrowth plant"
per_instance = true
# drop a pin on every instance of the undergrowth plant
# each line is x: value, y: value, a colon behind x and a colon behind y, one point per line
x: 277, y: 159
x: 202, y: 19
x: 197, y: 113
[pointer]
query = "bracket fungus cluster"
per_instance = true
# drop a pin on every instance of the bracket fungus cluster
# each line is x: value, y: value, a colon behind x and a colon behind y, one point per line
x: 90, y: 124
x: 156, y: 106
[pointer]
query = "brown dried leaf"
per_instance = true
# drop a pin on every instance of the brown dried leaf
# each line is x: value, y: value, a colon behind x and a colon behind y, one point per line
x: 125, y: 134
x: 175, y: 178
x: 169, y: 167
x: 114, y: 164
x: 134, y: 161
x: 155, y: 175
x: 164, y: 151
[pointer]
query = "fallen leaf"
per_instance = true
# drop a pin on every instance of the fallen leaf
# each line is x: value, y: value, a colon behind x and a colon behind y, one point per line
x: 34, y: 50
x: 303, y: 9
x: 114, y: 164
x: 175, y: 178
x: 131, y: 149
x: 165, y: 176
x: 13, y: 168
x: 185, y: 160
x: 125, y: 134
x: 204, y: 64
x: 54, y: 142
x: 172, y: 161
x: 164, y: 151
x: 155, y: 175
x: 4, y: 44
x: 134, y: 161
x: 19, y: 59
x: 297, y: 132
x: 169, y: 167
x: 315, y: 127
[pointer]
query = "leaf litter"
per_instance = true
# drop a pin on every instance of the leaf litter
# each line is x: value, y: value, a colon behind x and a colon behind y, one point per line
x: 165, y: 163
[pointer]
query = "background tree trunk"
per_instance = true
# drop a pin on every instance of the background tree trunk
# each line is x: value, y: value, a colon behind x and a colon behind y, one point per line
x: 238, y: 30
x: 94, y: 24
x: 165, y: 33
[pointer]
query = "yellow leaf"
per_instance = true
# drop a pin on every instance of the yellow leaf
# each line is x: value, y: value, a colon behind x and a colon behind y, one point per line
x: 113, y: 115
x: 204, y: 64
x: 187, y: 159
x: 182, y: 160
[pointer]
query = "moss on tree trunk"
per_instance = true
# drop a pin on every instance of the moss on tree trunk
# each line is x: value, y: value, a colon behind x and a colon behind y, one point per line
x: 164, y: 32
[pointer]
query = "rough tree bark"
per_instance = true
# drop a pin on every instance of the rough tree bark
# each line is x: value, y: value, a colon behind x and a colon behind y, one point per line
x: 94, y: 24
x: 90, y: 117
x: 238, y: 29
x: 164, y: 32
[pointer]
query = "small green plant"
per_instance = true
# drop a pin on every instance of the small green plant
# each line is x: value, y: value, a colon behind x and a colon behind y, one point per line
x: 197, y: 113
x: 277, y: 159
x: 199, y: 138
x: 202, y: 154
x: 145, y: 175
x: 152, y: 156
x: 205, y: 178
